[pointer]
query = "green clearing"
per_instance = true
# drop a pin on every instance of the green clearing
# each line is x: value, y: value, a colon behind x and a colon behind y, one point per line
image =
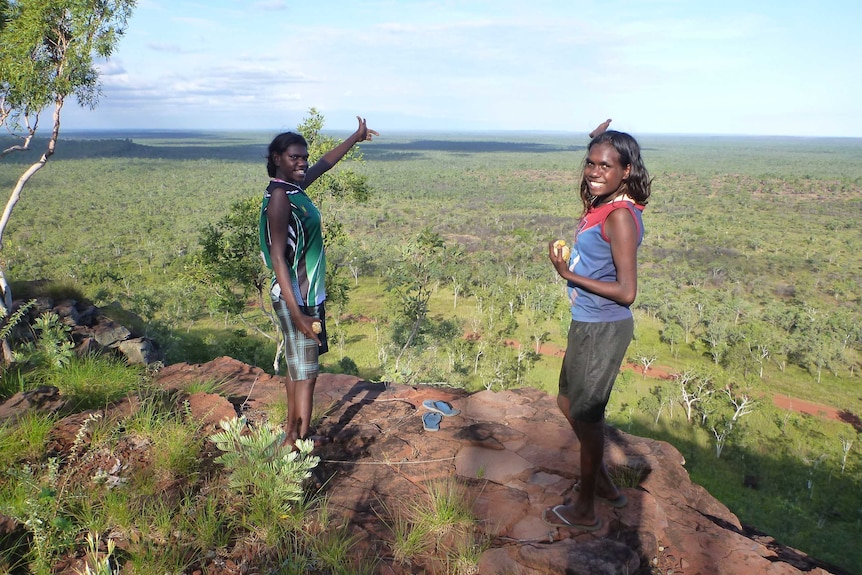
x: 752, y: 261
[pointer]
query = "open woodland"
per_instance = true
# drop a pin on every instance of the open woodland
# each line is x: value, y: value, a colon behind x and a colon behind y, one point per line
x: 750, y: 285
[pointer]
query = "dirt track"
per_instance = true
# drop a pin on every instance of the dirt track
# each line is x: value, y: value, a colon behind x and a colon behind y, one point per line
x: 781, y: 401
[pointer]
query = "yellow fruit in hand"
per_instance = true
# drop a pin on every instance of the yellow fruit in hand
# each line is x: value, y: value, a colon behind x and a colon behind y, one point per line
x: 562, y: 249
x: 316, y: 327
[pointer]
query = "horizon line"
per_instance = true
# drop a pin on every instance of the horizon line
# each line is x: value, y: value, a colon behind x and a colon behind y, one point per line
x: 433, y: 131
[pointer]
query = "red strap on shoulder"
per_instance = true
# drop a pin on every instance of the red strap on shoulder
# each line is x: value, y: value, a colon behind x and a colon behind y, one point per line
x: 631, y: 207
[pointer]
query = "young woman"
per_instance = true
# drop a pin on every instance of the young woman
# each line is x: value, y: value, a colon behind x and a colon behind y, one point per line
x: 602, y: 283
x: 291, y: 240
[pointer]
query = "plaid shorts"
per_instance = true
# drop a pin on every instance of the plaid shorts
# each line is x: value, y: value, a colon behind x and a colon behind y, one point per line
x: 301, y: 353
x: 593, y: 358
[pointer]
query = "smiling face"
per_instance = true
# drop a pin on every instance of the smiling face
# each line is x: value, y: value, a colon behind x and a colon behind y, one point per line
x: 604, y: 172
x: 291, y: 164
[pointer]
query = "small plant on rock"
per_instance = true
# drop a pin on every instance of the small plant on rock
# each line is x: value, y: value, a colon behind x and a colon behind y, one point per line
x: 52, y: 348
x: 40, y: 499
x: 99, y: 563
x: 437, y: 529
x: 41, y: 508
x: 263, y: 467
x: 15, y: 318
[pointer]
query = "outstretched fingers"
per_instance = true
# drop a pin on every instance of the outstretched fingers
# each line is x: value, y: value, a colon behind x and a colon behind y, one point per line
x: 365, y: 133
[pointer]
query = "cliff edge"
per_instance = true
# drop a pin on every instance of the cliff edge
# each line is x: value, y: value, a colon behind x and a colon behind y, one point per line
x: 516, y: 455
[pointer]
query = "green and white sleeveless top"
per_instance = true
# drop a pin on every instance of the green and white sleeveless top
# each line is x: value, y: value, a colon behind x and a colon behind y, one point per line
x: 304, y: 254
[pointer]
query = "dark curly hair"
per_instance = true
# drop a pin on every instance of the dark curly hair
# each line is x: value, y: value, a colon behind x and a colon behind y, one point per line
x: 638, y: 184
x: 278, y: 145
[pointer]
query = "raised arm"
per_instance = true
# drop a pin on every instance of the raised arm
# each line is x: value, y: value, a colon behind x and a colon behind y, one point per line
x: 333, y: 156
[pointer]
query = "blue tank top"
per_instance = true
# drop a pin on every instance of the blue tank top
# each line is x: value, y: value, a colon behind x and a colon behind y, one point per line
x: 591, y: 257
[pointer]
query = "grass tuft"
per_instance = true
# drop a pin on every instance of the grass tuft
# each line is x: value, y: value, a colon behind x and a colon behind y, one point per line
x: 94, y: 381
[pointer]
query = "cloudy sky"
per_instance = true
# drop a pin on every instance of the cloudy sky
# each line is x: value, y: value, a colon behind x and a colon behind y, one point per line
x: 765, y: 67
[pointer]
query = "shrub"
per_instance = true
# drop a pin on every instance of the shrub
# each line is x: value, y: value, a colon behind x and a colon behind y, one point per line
x: 261, y: 465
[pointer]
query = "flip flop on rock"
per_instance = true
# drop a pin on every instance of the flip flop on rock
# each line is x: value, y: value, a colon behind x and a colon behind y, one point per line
x: 431, y: 421
x: 440, y: 407
x: 554, y: 518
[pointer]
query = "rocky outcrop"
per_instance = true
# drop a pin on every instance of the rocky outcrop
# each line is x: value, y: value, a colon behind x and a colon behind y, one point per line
x: 92, y: 331
x: 44, y: 399
x: 517, y: 456
x: 512, y: 451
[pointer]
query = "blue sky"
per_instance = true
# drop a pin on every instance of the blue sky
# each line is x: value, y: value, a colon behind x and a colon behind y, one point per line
x: 762, y: 67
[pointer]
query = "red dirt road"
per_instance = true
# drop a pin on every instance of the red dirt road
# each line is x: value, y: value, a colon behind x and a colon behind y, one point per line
x: 801, y: 406
x: 781, y: 401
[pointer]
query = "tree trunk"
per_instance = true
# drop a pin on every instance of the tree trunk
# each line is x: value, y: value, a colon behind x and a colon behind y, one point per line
x: 409, y: 341
x: 6, y: 302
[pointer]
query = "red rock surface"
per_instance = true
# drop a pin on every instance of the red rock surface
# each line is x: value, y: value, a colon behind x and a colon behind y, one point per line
x: 517, y: 456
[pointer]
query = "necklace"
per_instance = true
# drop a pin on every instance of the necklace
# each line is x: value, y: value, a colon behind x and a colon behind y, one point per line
x: 624, y: 197
x: 280, y: 181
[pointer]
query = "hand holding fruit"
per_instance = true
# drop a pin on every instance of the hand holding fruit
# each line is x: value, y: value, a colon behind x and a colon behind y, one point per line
x: 559, y: 253
x: 316, y: 327
x: 561, y: 249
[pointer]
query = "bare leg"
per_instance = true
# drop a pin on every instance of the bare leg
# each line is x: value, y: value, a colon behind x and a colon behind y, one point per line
x: 603, y: 486
x: 304, y: 404
x: 592, y: 438
x: 292, y: 414
x: 300, y: 401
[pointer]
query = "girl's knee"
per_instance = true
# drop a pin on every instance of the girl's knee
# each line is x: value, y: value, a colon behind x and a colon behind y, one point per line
x: 563, y: 404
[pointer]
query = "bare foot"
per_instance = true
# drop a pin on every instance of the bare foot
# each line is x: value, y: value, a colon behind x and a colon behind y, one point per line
x: 290, y: 441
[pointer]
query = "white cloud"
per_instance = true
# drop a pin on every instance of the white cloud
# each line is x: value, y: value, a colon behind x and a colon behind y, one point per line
x: 675, y: 65
x: 164, y: 47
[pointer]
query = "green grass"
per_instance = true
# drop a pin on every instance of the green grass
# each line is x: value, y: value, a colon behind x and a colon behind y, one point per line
x: 25, y: 438
x: 409, y: 541
x: 364, y: 337
x: 172, y: 516
x: 783, y: 452
x: 176, y: 448
x: 205, y: 386
x: 94, y: 381
x: 12, y: 381
x: 204, y: 518
x: 437, y: 529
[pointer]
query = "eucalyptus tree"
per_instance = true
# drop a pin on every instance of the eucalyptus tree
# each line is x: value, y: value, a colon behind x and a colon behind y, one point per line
x: 50, y: 53
x: 684, y: 312
x: 672, y: 334
x: 411, y: 280
x: 694, y: 388
x: 659, y: 398
x: 646, y: 359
